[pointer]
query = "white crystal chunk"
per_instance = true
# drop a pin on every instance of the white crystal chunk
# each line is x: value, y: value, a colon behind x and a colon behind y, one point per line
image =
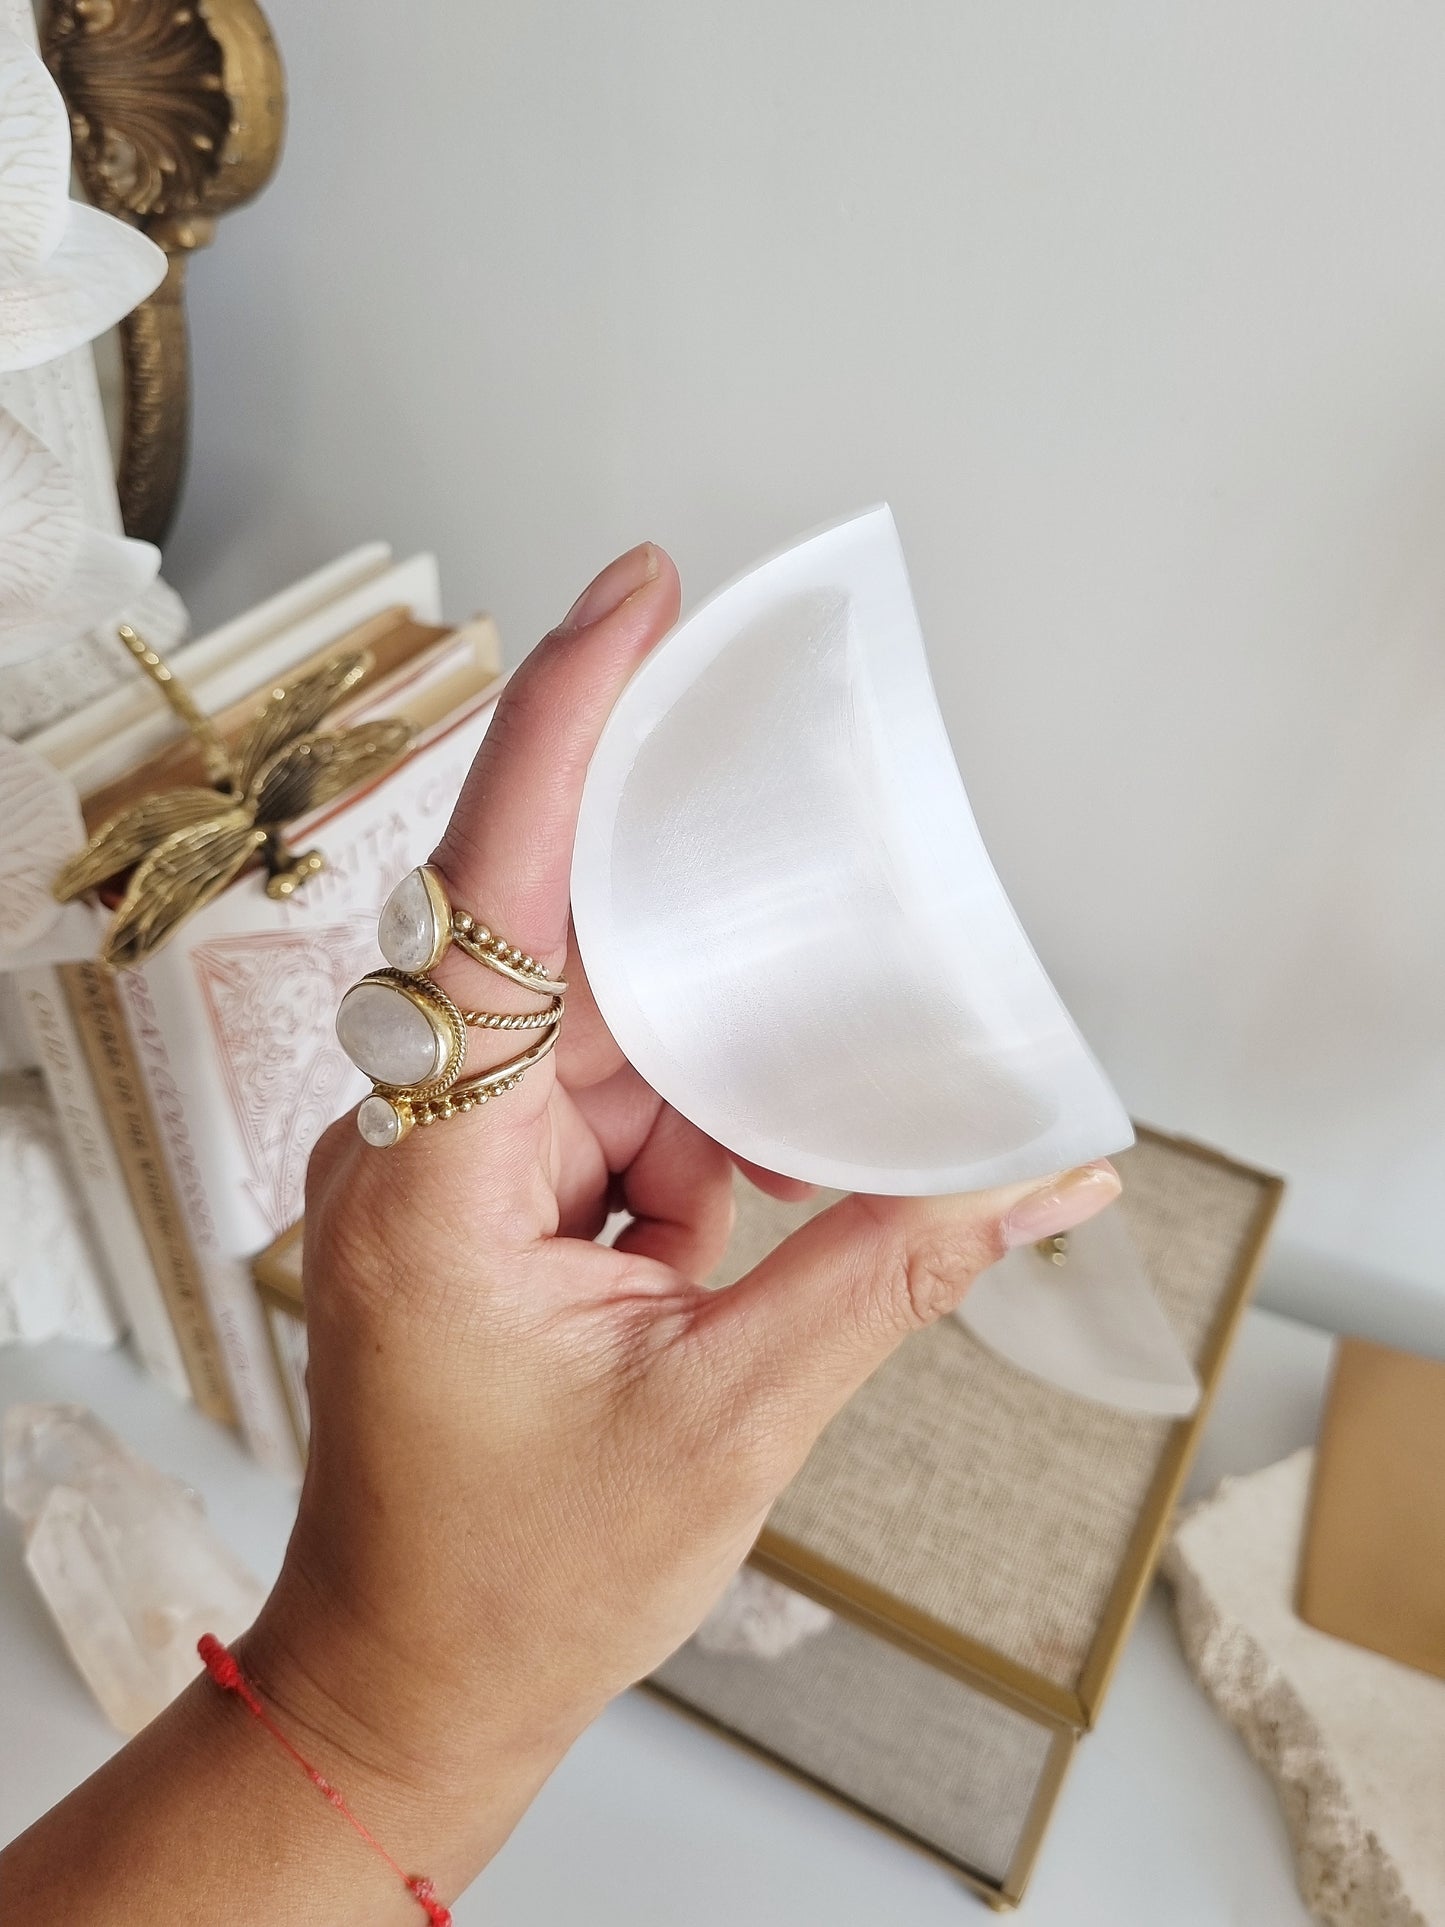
x: 409, y: 929
x: 1091, y: 1325
x: 758, y: 1618
x: 124, y: 1558
x: 388, y: 1036
x: 785, y: 909
x: 378, y: 1122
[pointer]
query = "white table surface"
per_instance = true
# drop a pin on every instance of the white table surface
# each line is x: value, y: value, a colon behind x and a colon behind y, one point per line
x: 654, y: 1822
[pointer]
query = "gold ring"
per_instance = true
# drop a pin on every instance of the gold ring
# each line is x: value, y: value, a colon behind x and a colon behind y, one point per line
x: 418, y: 925
x: 406, y: 1033
x: 386, y: 1117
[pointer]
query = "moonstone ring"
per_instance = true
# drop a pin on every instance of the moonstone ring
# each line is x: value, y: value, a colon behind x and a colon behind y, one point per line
x: 408, y: 1036
x: 418, y: 925
x: 404, y: 1032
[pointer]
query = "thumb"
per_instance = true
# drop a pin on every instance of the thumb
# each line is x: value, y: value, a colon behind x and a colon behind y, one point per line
x: 805, y: 1327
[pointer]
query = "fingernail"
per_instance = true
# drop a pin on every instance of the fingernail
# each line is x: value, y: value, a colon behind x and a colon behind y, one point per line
x: 617, y: 582
x: 1062, y: 1203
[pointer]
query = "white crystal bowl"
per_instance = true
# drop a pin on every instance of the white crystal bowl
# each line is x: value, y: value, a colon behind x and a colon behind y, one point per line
x: 785, y: 909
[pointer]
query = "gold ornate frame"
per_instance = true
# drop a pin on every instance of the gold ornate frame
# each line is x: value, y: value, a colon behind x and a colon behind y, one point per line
x: 177, y: 113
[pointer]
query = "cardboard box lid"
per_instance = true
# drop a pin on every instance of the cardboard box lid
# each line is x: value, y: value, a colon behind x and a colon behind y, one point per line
x: 1372, y: 1567
x: 1000, y: 1528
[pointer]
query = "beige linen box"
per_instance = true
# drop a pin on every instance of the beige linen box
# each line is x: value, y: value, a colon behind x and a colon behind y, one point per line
x: 984, y: 1542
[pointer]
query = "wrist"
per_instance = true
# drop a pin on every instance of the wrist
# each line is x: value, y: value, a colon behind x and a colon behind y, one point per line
x: 438, y: 1770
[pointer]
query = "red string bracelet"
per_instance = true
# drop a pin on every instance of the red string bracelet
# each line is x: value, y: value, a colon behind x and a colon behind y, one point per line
x: 222, y: 1666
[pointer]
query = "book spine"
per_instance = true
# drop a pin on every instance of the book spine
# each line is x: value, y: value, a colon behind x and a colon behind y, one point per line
x: 121, y: 1092
x: 112, y: 1221
x: 234, y: 1309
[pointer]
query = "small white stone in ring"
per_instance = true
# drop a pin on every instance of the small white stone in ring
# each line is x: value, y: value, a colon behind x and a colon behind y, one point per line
x: 378, y: 1121
x: 408, y: 930
x: 387, y: 1035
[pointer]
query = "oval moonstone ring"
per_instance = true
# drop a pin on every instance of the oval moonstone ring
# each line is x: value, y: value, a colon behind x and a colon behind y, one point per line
x: 415, y: 925
x: 404, y: 1032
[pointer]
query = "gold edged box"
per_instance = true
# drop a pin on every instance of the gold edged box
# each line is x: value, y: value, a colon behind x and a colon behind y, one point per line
x: 277, y: 1273
x: 983, y: 1541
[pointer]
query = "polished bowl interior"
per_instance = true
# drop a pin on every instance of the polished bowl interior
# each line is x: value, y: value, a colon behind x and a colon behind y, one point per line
x: 785, y: 909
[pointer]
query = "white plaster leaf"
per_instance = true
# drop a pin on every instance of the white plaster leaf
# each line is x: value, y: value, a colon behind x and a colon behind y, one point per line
x: 40, y: 522
x: 58, y: 576
x: 40, y: 827
x: 67, y: 271
x: 161, y: 617
x: 34, y: 158
x: 69, y: 675
x: 108, y: 572
x: 101, y: 269
x: 37, y: 693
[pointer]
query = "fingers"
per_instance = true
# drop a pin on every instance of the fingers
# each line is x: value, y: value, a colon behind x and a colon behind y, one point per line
x: 506, y: 858
x: 790, y: 1190
x: 822, y: 1312
x: 679, y: 1189
x: 507, y: 852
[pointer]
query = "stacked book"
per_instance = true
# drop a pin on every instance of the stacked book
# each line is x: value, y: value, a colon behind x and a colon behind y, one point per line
x: 191, y: 1087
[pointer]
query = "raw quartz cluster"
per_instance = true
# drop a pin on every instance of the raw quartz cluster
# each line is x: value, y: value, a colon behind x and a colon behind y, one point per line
x: 124, y: 1558
x: 757, y: 1618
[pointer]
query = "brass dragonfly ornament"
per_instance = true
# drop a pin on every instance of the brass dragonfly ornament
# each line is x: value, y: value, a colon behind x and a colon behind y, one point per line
x: 183, y: 846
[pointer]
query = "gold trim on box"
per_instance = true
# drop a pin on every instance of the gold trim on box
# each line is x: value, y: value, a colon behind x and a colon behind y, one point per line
x: 1002, y: 1897
x: 1036, y: 1824
x: 274, y: 1304
x: 271, y: 1273
x: 968, y: 1659
x: 1137, y: 1572
x: 915, y: 1633
x: 280, y: 1294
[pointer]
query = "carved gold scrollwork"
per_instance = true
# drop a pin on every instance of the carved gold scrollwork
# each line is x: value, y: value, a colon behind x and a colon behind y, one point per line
x: 177, y: 113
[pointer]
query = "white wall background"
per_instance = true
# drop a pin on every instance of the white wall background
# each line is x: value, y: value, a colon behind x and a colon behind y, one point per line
x: 1137, y: 316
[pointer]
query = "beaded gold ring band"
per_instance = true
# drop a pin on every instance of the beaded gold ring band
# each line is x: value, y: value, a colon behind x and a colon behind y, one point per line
x: 408, y: 1035
x: 418, y: 926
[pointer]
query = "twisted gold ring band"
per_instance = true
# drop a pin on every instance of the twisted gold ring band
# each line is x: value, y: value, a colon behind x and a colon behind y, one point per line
x: 410, y: 1038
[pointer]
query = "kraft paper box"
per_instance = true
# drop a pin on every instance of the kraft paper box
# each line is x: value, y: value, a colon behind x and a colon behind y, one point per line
x: 982, y: 1539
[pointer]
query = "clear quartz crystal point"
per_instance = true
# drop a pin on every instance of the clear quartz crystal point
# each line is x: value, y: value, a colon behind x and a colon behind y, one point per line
x: 759, y: 1618
x: 124, y: 1558
x: 1089, y: 1324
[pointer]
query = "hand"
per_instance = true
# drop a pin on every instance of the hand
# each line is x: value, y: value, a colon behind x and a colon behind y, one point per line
x: 536, y: 1461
